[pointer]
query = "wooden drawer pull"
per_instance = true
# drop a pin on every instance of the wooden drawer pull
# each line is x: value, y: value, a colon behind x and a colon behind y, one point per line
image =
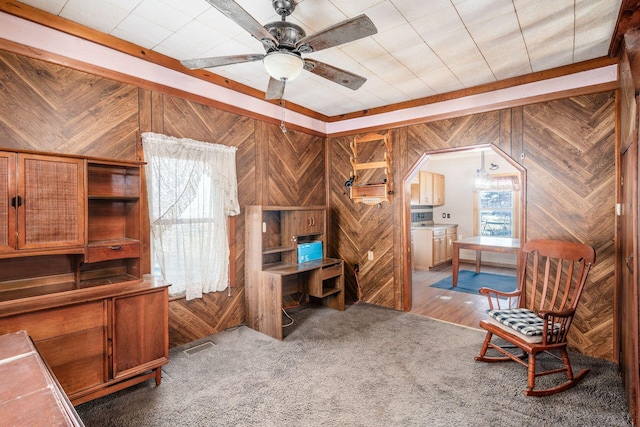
x: 115, y: 248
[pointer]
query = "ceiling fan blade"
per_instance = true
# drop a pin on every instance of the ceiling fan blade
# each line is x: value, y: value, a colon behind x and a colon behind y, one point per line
x: 336, y: 75
x: 343, y: 32
x: 275, y: 90
x: 237, y: 14
x: 218, y: 61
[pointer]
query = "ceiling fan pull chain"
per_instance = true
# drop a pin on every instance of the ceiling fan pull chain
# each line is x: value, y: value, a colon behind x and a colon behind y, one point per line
x: 282, y: 125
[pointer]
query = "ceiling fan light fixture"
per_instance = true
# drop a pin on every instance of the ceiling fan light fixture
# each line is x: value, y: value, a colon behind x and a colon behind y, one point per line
x: 283, y: 65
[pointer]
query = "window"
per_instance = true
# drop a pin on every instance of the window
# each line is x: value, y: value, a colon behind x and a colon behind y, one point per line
x: 192, y: 191
x: 496, y: 208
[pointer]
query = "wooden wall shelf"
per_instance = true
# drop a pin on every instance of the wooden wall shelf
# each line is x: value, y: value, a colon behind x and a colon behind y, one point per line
x: 371, y: 178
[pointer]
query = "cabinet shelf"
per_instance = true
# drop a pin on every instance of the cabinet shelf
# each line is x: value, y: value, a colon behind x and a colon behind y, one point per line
x: 277, y: 250
x: 113, y: 198
x: 330, y: 291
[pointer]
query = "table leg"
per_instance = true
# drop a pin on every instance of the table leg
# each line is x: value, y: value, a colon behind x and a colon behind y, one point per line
x: 455, y: 264
x: 478, y: 258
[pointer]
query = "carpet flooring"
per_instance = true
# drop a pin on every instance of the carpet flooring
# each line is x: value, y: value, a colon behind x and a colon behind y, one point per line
x: 366, y: 366
x: 469, y: 282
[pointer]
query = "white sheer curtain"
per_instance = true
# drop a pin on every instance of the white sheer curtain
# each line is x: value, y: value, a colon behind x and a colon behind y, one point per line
x: 192, y: 188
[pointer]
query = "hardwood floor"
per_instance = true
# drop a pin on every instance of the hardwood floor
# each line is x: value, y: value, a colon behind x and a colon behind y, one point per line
x: 450, y: 306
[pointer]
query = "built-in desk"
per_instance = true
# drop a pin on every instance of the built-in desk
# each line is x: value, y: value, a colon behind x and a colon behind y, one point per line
x: 29, y: 393
x: 322, y: 279
x: 271, y: 271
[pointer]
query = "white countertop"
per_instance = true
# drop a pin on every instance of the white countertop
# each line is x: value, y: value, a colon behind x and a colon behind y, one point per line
x: 424, y: 226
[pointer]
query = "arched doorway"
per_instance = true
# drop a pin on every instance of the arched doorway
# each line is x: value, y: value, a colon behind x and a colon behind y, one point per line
x: 459, y: 168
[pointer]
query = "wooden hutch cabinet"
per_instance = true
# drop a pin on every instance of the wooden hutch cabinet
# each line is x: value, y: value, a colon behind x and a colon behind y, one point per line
x: 272, y: 269
x: 42, y: 205
x: 70, y: 271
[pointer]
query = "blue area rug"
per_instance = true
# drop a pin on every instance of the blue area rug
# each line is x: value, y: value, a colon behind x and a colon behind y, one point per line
x: 470, y: 281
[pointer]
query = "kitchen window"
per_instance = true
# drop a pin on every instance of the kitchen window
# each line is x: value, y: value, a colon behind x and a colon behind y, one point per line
x: 496, y: 207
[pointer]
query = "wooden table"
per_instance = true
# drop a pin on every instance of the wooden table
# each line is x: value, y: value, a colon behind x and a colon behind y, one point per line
x: 29, y: 393
x: 481, y: 243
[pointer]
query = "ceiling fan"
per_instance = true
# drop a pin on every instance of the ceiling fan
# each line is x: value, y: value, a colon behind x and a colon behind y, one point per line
x: 285, y: 42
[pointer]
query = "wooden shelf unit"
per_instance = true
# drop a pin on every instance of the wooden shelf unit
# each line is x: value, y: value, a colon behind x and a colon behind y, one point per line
x: 114, y: 218
x: 73, y: 278
x: 371, y: 179
x: 272, y: 270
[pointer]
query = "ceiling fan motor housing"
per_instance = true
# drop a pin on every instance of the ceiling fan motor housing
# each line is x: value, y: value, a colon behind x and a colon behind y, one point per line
x: 286, y: 33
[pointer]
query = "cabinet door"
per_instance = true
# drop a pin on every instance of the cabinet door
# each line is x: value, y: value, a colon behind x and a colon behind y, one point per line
x: 7, y: 193
x: 438, y: 250
x: 308, y: 222
x: 422, y: 249
x: 52, y: 210
x: 438, y: 189
x: 140, y: 332
x: 426, y: 188
x: 452, y: 234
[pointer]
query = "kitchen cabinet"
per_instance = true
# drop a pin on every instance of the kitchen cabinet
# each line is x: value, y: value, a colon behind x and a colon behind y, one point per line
x: 430, y: 189
x: 42, y: 204
x: 432, y: 246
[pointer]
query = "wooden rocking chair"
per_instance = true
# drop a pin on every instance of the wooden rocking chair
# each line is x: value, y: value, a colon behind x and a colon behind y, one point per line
x: 537, y: 317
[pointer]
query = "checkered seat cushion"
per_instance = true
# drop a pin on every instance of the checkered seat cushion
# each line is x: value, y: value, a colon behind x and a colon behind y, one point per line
x: 521, y: 320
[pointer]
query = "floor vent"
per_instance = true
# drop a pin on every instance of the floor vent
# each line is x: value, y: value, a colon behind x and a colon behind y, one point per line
x: 198, y: 348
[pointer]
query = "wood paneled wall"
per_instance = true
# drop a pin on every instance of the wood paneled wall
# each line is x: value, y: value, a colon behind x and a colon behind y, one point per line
x: 569, y: 154
x: 47, y: 107
x: 568, y: 147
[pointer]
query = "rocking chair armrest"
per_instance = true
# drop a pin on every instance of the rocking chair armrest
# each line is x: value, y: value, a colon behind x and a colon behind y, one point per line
x: 545, y: 314
x: 489, y: 291
x: 494, y: 295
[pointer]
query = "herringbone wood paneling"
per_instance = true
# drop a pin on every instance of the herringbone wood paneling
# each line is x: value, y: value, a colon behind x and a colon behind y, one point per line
x: 359, y: 228
x: 46, y: 107
x: 295, y: 169
x: 464, y: 131
x: 568, y: 146
x: 569, y: 157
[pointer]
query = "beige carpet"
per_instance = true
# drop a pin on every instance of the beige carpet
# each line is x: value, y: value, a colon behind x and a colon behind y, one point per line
x: 366, y: 366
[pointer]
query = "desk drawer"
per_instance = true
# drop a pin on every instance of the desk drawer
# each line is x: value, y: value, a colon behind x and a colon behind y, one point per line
x: 331, y: 271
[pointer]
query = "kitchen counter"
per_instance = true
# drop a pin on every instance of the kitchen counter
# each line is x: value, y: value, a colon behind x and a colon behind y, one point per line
x: 424, y: 226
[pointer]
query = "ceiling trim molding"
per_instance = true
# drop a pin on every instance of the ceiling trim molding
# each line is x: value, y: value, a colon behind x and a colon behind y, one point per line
x: 44, y: 42
x: 586, y: 90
